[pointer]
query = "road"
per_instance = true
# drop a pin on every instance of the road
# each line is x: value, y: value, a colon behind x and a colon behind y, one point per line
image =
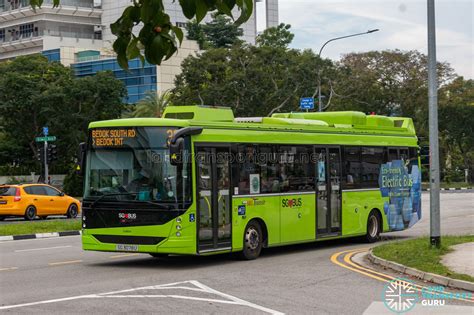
x: 55, y: 275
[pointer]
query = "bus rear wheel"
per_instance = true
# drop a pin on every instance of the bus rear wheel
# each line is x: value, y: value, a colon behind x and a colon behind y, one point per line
x: 374, y: 222
x: 253, y: 241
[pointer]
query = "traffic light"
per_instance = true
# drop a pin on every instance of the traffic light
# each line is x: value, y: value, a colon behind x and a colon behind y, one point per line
x: 40, y: 154
x: 52, y: 153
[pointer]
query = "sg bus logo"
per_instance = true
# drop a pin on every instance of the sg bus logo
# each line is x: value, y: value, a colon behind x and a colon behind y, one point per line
x: 127, y: 216
x: 291, y: 203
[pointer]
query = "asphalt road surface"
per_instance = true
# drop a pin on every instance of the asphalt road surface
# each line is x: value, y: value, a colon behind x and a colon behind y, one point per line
x: 55, y: 276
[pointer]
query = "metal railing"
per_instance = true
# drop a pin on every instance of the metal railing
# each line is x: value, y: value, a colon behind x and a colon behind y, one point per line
x: 19, y: 4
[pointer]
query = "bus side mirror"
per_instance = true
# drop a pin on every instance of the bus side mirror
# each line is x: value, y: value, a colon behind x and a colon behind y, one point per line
x: 81, y: 159
x: 176, y: 151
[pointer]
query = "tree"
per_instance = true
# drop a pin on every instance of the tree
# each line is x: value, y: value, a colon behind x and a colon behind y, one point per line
x: 277, y: 37
x: 219, y: 33
x: 157, y: 36
x: 152, y: 105
x: 36, y: 93
x: 389, y: 82
x: 254, y: 81
x: 456, y: 124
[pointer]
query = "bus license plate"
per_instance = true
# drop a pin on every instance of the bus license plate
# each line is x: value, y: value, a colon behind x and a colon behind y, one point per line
x: 3, y: 202
x: 127, y: 248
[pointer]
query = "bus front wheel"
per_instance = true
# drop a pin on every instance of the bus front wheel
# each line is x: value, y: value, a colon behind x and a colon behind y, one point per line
x: 374, y: 222
x: 253, y: 241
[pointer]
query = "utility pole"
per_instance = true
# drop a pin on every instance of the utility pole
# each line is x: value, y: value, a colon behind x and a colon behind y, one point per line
x: 320, y: 100
x: 435, y: 233
x: 46, y: 163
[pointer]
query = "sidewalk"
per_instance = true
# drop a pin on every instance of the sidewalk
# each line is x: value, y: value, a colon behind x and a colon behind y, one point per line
x: 461, y: 259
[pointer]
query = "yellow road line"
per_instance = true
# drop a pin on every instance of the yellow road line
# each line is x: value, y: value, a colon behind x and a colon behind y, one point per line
x: 371, y: 273
x: 65, y: 262
x: 124, y: 255
x: 8, y: 269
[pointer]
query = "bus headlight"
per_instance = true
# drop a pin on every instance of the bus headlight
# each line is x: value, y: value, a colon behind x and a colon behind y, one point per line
x: 178, y: 220
x: 178, y: 227
x: 178, y: 234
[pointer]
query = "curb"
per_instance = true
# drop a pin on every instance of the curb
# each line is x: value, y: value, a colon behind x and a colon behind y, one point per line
x: 461, y: 188
x: 426, y: 276
x: 39, y: 235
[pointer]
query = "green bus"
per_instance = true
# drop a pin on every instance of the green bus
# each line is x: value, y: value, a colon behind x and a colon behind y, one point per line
x: 199, y: 181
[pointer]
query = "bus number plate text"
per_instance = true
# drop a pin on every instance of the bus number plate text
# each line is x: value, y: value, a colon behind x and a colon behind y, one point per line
x: 127, y: 248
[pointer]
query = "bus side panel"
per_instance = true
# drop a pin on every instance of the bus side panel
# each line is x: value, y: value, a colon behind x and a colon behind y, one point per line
x: 356, y: 206
x: 298, y: 217
x: 245, y: 209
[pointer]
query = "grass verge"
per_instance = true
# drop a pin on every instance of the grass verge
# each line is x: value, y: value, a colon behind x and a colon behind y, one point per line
x: 40, y: 227
x: 417, y: 253
x: 426, y: 185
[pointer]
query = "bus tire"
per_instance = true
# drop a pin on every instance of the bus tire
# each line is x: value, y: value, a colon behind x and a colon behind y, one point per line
x: 253, y: 241
x: 158, y: 255
x: 72, y: 211
x: 30, y: 213
x: 2, y: 218
x: 374, y: 222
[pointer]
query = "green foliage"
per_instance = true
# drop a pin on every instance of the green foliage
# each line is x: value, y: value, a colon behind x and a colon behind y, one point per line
x: 254, y: 81
x: 219, y: 33
x: 277, y: 37
x: 456, y: 124
x: 417, y: 253
x: 73, y: 184
x: 157, y: 36
x: 389, y: 82
x: 36, y: 93
x: 40, y: 227
x: 152, y: 105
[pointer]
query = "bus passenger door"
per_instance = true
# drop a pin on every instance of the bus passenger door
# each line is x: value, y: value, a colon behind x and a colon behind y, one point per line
x: 214, y: 200
x: 328, y: 191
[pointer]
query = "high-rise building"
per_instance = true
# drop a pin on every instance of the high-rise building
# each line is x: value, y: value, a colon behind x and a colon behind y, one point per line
x: 77, y: 33
x: 73, y: 26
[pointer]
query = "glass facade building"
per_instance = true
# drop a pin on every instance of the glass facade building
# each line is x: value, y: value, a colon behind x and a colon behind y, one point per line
x: 52, y: 54
x: 138, y: 79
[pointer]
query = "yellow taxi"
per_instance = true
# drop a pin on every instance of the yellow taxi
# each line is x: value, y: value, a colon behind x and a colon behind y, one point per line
x: 32, y: 200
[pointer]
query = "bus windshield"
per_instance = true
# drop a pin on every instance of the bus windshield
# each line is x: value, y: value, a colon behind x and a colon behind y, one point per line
x: 132, y: 164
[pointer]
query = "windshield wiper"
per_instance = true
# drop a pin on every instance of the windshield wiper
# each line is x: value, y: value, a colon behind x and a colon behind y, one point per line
x: 111, y: 194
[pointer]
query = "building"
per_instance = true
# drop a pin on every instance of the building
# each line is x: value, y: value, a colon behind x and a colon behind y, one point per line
x: 77, y: 33
x: 73, y: 26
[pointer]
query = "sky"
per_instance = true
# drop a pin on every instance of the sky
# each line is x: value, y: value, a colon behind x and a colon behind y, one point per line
x: 402, y: 26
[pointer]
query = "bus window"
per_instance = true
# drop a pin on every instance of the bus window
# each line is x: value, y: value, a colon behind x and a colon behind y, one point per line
x: 296, y: 171
x: 268, y: 162
x: 247, y: 169
x: 371, y: 158
x: 392, y: 154
x: 404, y: 154
x: 352, y: 168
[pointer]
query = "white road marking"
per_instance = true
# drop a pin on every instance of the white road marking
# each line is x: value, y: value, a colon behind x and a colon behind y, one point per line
x: 65, y: 262
x: 43, y: 248
x: 124, y: 255
x: 197, y: 286
x: 8, y: 269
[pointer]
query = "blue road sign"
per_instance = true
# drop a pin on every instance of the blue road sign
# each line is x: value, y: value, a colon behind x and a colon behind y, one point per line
x: 45, y: 131
x: 307, y: 103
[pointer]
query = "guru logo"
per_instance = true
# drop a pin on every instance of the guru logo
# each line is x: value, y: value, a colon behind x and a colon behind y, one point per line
x: 400, y: 295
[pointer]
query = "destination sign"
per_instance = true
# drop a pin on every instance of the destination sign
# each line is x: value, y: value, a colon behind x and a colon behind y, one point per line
x: 112, y: 137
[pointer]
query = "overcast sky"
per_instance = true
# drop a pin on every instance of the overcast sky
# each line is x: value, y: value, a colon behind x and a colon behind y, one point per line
x: 402, y: 25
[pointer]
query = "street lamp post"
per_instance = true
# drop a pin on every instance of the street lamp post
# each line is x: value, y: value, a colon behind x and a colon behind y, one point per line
x: 324, y: 45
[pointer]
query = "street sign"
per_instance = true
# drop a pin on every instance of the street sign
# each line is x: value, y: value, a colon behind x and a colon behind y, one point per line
x: 42, y: 139
x: 307, y: 103
x: 45, y: 131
